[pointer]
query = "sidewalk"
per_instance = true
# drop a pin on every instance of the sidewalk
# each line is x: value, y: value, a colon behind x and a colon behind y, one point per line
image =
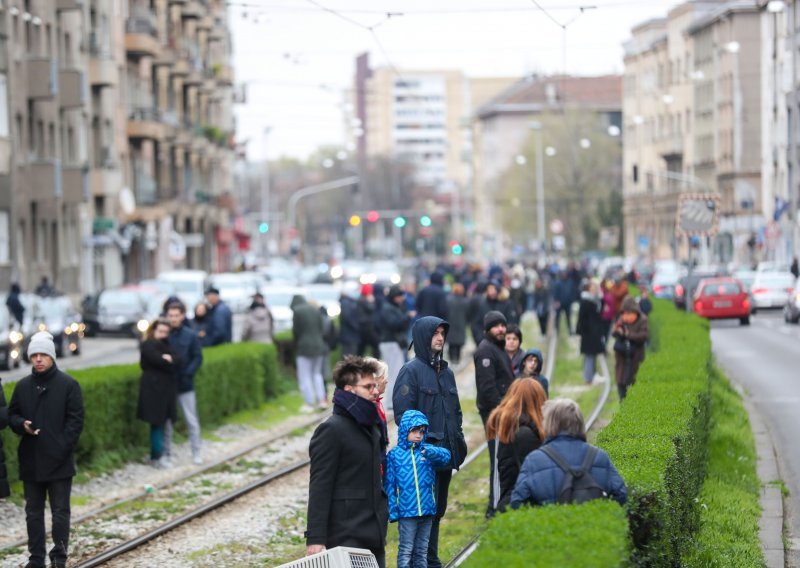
x: 771, y: 524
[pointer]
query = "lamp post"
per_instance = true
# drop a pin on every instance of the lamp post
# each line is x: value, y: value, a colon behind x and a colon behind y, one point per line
x: 265, y: 190
x: 536, y: 126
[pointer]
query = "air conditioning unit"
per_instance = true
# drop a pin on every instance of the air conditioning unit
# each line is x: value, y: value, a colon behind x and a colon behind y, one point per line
x: 339, y: 557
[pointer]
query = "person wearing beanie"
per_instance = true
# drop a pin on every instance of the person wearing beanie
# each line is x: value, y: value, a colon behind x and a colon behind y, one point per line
x: 493, y: 375
x: 393, y: 325
x: 46, y: 411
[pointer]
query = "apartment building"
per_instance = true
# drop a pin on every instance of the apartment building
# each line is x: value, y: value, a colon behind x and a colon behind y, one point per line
x: 115, y: 158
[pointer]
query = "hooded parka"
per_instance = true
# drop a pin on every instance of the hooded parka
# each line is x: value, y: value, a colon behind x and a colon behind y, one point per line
x: 410, y: 480
x: 308, y: 329
x: 544, y: 381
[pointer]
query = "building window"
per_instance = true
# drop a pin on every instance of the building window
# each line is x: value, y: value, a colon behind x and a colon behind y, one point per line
x: 3, y: 106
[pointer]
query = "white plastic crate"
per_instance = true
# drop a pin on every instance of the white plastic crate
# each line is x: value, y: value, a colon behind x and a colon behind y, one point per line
x: 339, y: 557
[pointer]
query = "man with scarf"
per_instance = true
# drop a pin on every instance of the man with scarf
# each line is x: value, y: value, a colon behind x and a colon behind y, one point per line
x: 346, y: 502
x: 427, y: 384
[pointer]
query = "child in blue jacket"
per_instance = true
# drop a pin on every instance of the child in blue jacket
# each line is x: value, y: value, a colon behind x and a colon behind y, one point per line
x: 410, y: 483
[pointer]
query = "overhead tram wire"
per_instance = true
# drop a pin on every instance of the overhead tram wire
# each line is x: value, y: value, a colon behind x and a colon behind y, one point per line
x: 443, y: 11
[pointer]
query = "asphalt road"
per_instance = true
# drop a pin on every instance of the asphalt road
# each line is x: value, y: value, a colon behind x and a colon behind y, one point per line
x: 764, y: 359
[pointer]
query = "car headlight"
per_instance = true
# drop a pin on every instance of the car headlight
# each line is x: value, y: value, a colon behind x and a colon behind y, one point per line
x: 395, y: 279
x: 337, y: 272
x: 67, y: 330
x: 74, y: 327
x: 14, y: 337
x: 142, y: 325
x: 334, y: 311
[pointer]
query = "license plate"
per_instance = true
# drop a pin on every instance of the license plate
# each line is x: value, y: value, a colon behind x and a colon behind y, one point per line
x: 723, y: 304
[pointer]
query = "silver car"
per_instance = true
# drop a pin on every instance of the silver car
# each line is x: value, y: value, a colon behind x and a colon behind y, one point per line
x: 791, y: 310
x: 771, y: 289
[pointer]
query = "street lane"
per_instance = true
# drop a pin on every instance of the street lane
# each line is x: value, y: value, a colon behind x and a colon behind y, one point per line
x: 764, y: 358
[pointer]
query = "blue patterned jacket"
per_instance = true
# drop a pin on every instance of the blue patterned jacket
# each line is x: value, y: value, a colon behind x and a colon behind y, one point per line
x: 410, y: 479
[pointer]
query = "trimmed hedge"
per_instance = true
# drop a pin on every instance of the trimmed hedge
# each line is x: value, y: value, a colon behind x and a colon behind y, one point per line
x: 233, y: 377
x: 658, y: 442
x: 550, y: 536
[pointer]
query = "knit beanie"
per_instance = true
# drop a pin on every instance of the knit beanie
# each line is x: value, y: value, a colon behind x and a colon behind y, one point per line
x: 42, y: 342
x: 492, y: 318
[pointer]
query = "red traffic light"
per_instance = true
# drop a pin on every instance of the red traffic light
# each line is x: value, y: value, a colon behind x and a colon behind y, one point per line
x: 373, y: 216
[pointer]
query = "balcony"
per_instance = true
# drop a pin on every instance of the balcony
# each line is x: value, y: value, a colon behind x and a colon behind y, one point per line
x: 44, y: 180
x: 75, y: 184
x: 144, y: 123
x: 141, y: 36
x: 223, y: 73
x: 71, y: 88
x: 104, y: 181
x: 205, y: 23
x: 670, y: 146
x: 42, y: 78
x: 103, y: 72
x: 192, y: 9
x: 65, y: 5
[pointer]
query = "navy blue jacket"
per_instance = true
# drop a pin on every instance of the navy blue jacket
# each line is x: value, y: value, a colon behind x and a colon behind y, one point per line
x: 348, y: 321
x: 220, y: 325
x: 540, y: 479
x: 432, y: 299
x: 185, y: 344
x: 420, y: 386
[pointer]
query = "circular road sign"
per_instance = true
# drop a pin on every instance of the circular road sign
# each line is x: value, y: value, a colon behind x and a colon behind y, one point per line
x: 556, y: 226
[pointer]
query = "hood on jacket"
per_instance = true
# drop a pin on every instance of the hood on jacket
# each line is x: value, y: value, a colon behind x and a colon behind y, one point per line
x: 411, y: 419
x: 297, y: 300
x: 422, y: 335
x: 437, y: 278
x: 629, y: 304
x: 533, y: 353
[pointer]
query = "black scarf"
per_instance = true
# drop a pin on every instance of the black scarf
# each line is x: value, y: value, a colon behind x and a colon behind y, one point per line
x: 361, y: 410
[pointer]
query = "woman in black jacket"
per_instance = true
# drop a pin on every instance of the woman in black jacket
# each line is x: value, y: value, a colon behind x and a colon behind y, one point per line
x: 157, y: 387
x: 4, y: 488
x: 592, y: 329
x: 516, y: 424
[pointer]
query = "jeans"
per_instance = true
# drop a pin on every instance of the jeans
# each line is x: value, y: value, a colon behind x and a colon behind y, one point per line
x: 443, y: 478
x: 309, y: 379
x: 412, y: 549
x: 565, y: 309
x: 589, y: 367
x: 188, y: 403
x: 35, y: 493
x: 156, y: 441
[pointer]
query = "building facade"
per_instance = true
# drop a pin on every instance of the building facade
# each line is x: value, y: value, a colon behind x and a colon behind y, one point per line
x: 119, y: 132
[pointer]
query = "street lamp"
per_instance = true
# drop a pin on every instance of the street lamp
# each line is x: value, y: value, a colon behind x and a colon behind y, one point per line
x: 536, y: 126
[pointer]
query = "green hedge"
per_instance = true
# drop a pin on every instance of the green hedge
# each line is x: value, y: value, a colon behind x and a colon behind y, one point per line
x: 593, y: 534
x: 233, y: 377
x: 658, y: 442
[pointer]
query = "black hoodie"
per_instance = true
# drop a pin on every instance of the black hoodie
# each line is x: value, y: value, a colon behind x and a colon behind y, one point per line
x: 493, y: 374
x: 427, y: 384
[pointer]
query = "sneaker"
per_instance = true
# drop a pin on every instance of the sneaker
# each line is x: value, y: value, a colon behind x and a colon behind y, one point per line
x: 306, y: 409
x: 165, y: 462
x: 197, y: 459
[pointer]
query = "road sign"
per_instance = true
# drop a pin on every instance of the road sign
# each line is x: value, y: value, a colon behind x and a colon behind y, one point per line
x: 556, y: 226
x: 698, y: 214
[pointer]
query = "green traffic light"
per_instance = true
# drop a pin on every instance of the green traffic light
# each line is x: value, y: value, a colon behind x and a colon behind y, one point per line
x: 425, y: 221
x: 457, y: 249
x: 400, y: 222
x: 263, y: 227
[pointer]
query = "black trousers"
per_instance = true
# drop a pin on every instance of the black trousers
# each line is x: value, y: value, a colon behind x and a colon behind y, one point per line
x: 567, y: 311
x: 455, y: 353
x: 442, y: 489
x: 543, y: 323
x: 58, y: 493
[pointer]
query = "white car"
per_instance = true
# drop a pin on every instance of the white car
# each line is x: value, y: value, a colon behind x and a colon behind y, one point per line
x: 279, y: 300
x: 325, y: 295
x: 188, y: 285
x: 235, y: 289
x: 771, y: 289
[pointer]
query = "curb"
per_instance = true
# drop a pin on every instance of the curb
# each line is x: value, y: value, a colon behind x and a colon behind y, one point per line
x: 770, y: 527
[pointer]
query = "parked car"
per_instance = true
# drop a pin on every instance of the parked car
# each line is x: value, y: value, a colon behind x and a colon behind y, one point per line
x: 791, y: 310
x: 188, y: 285
x: 325, y: 295
x: 722, y: 298
x: 279, y: 300
x: 771, y: 289
x: 125, y: 309
x: 687, y: 285
x: 663, y: 284
x: 57, y: 315
x: 235, y: 288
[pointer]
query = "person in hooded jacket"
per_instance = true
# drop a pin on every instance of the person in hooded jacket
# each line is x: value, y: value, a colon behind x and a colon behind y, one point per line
x: 531, y: 367
x: 349, y: 330
x: 410, y: 485
x: 14, y: 305
x: 307, y: 328
x: 393, y: 323
x: 427, y: 384
x: 591, y: 329
x: 367, y: 308
x: 457, y: 307
x: 158, y: 388
x: 46, y: 410
x: 516, y: 427
x: 5, y: 490
x: 540, y: 479
x: 432, y: 299
x: 258, y: 324
x: 631, y: 332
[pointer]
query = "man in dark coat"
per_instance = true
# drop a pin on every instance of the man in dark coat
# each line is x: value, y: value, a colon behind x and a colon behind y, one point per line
x: 46, y: 409
x: 13, y: 303
x: 368, y: 335
x: 309, y: 345
x: 393, y: 324
x: 432, y: 299
x: 4, y: 488
x: 493, y: 376
x: 457, y: 306
x: 220, y: 320
x: 346, y: 502
x: 592, y: 330
x: 427, y: 384
x: 185, y: 345
x: 349, y: 332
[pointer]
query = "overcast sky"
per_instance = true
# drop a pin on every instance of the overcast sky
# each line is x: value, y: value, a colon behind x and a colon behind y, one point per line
x: 297, y: 58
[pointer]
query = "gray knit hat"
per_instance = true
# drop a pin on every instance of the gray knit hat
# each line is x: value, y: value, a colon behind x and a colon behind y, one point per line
x: 42, y: 342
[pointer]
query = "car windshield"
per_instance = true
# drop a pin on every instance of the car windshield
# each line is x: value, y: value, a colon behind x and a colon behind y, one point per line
x: 121, y: 301
x: 186, y: 286
x: 279, y: 298
x: 721, y: 289
x: 58, y: 307
x: 323, y: 294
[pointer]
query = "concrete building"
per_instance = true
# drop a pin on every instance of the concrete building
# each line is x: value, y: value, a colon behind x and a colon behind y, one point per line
x: 114, y: 140
x: 502, y: 125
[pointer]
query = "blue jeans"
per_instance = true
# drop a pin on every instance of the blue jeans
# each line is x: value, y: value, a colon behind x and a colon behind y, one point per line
x: 412, y: 550
x: 156, y: 441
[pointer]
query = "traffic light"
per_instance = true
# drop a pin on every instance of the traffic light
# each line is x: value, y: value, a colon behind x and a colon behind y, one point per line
x: 373, y: 216
x: 355, y: 220
x: 425, y: 221
x: 455, y: 247
x: 400, y: 222
x: 263, y: 227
